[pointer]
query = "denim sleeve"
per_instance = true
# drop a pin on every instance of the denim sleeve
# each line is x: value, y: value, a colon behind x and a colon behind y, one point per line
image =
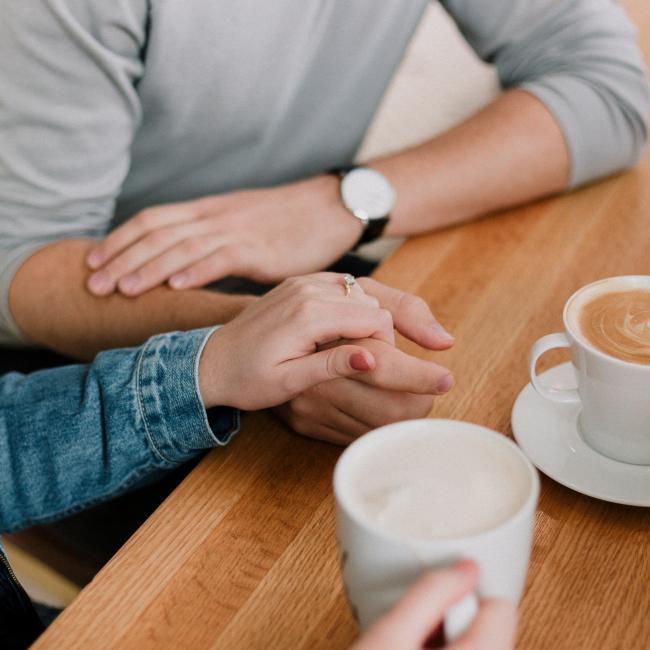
x: 75, y: 436
x: 579, y: 58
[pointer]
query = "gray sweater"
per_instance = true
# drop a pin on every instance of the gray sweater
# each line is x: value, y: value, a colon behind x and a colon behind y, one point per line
x: 108, y: 106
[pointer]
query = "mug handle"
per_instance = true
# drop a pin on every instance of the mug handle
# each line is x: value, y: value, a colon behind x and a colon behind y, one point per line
x: 460, y: 616
x: 546, y: 343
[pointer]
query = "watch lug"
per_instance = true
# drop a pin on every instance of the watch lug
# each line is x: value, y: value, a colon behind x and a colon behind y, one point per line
x: 362, y: 216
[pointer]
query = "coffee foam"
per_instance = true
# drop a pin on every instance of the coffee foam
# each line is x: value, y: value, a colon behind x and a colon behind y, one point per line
x: 442, y: 485
x: 614, y: 318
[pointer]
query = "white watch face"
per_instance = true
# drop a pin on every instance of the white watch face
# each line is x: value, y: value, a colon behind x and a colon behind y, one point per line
x: 367, y: 194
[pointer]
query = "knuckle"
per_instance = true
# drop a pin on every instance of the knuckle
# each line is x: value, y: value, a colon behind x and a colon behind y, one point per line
x: 300, y: 425
x: 385, y: 317
x: 306, y: 288
x: 372, y: 301
x: 409, y: 302
x: 289, y: 287
x: 157, y: 238
x: 300, y: 408
x: 419, y: 303
x: 233, y: 254
x: 331, y: 363
x: 292, y: 282
x: 147, y: 218
x: 307, y: 309
x: 288, y: 384
x: 365, y: 282
x: 191, y: 247
x: 116, y: 268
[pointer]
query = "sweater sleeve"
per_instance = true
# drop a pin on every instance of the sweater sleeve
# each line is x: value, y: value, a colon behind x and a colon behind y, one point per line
x: 580, y: 58
x: 68, y: 113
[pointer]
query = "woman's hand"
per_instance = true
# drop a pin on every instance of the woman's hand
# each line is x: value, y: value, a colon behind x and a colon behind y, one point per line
x: 420, y: 612
x: 266, y: 235
x: 273, y: 350
x: 341, y: 410
x: 399, y: 387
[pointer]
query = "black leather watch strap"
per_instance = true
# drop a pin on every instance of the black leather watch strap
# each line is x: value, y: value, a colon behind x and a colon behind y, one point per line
x: 374, y: 229
x: 342, y: 171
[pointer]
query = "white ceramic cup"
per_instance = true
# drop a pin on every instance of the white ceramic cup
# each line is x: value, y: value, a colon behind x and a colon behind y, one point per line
x: 614, y: 394
x: 378, y: 567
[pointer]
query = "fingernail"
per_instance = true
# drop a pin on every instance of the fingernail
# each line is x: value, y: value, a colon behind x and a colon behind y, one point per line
x: 442, y: 332
x: 465, y: 566
x: 358, y: 361
x: 129, y: 282
x: 99, y: 282
x: 95, y: 259
x: 178, y: 281
x: 445, y: 384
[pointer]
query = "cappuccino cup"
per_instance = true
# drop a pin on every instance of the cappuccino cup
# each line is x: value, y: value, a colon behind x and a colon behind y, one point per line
x: 607, y: 329
x: 422, y: 494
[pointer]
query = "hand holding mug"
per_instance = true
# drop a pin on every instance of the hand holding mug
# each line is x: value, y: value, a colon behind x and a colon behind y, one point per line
x: 422, y: 495
x: 416, y: 619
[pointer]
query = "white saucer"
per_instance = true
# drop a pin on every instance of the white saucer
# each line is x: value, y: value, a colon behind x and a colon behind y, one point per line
x: 547, y: 433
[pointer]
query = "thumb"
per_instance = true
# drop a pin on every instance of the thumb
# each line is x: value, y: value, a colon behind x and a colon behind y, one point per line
x: 341, y: 361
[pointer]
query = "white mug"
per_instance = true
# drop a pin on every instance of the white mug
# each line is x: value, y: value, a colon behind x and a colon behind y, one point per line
x: 378, y: 567
x: 614, y: 394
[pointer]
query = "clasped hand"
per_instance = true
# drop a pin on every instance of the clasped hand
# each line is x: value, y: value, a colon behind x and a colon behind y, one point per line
x: 325, y: 356
x: 268, y: 235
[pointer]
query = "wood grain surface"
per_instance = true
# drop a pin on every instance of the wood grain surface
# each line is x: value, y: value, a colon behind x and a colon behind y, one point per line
x: 243, y: 553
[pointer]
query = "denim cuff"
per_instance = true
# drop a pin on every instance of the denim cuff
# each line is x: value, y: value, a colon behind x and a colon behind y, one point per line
x: 176, y: 422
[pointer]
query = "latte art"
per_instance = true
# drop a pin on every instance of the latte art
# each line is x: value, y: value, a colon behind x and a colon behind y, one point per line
x: 618, y: 324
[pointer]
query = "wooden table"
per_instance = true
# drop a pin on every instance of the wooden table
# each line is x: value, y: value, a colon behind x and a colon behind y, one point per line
x: 243, y: 554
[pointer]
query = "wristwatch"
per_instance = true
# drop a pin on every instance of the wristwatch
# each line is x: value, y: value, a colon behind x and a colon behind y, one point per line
x: 369, y: 196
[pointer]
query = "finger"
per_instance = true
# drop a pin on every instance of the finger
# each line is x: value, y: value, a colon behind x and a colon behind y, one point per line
x: 344, y: 423
x: 138, y: 226
x: 308, y: 425
x: 420, y: 610
x: 411, y: 315
x: 324, y: 433
x: 494, y: 627
x: 226, y: 261
x: 372, y: 406
x: 398, y: 371
x: 162, y: 267
x: 305, y: 372
x: 324, y: 321
x: 325, y: 284
x: 314, y: 406
x: 123, y: 269
x: 343, y: 284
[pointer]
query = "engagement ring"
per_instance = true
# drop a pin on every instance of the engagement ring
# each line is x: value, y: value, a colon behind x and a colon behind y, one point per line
x: 349, y: 281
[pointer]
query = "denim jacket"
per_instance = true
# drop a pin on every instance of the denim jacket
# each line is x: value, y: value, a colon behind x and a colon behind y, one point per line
x: 75, y: 436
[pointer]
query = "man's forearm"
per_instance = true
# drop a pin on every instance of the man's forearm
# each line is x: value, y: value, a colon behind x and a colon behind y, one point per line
x: 52, y: 307
x: 511, y: 152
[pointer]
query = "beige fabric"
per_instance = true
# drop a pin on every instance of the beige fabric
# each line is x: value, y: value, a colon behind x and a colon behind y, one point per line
x: 440, y: 82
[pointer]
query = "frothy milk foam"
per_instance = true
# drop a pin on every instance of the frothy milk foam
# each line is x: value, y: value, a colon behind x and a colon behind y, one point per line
x: 614, y: 317
x: 438, y: 485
